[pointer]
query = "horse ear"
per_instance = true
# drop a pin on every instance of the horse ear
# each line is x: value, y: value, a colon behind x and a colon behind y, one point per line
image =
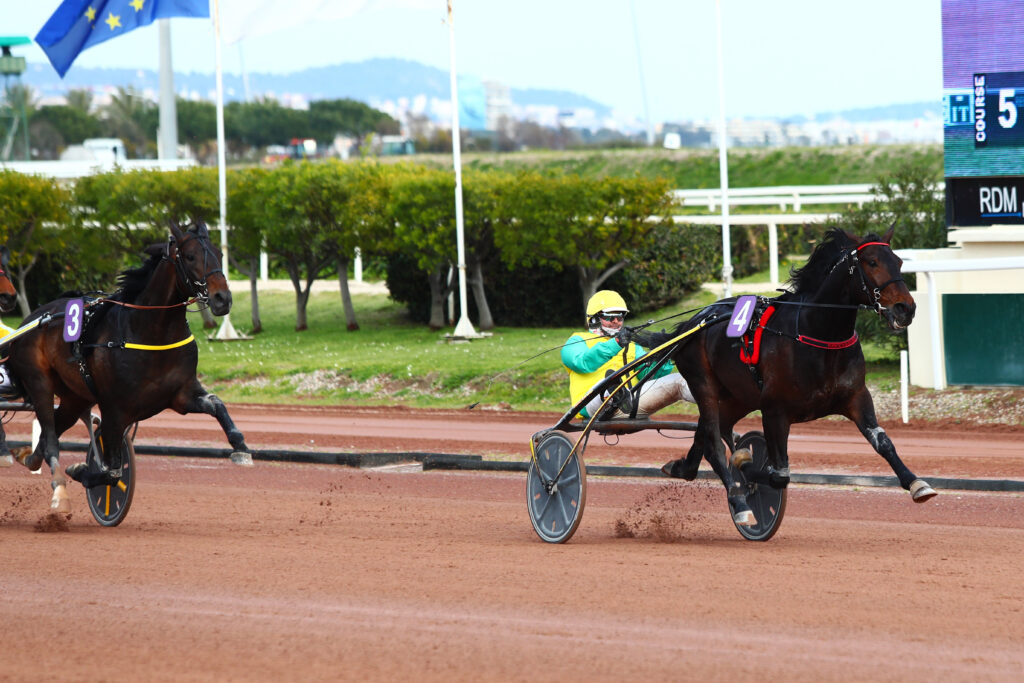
x: 854, y: 239
x: 201, y: 228
x: 887, y: 237
x: 176, y: 231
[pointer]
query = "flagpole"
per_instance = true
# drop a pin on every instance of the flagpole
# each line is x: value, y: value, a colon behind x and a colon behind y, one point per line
x: 464, y: 328
x: 723, y: 159
x: 227, y: 331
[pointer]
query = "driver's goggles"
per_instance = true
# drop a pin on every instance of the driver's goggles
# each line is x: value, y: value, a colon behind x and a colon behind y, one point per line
x: 613, y: 317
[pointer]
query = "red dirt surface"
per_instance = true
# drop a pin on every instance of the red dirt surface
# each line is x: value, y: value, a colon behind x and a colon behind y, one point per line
x: 309, y: 572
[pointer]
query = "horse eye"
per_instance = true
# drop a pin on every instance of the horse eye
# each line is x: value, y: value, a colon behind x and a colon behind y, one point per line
x: 873, y: 263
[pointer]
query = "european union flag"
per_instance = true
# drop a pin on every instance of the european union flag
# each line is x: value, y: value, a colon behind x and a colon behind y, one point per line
x: 78, y: 24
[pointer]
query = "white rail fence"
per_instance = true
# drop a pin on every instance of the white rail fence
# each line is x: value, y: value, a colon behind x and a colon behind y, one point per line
x: 793, y: 197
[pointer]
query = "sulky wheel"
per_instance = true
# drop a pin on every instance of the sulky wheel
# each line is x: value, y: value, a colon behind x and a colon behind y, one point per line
x: 556, y: 505
x: 109, y: 503
x: 767, y: 502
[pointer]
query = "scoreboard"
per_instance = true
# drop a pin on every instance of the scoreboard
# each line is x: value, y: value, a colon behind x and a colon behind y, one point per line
x: 983, y: 105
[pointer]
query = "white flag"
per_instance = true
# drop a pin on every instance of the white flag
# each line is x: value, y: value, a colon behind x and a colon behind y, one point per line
x: 251, y: 18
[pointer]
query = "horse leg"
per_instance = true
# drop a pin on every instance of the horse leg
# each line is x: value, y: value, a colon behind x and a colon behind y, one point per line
x: 202, y: 401
x: 48, y: 450
x: 776, y: 434
x: 6, y: 457
x: 710, y: 436
x: 863, y: 415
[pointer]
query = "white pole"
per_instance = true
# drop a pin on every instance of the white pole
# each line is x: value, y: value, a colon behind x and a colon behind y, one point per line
x: 904, y: 389
x: 168, y: 107
x: 773, y: 253
x: 227, y: 330
x: 938, y: 383
x: 640, y: 68
x: 723, y: 159
x: 463, y: 328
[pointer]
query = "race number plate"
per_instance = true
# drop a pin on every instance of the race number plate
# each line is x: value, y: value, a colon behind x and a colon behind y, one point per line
x: 73, y: 320
x: 741, y: 313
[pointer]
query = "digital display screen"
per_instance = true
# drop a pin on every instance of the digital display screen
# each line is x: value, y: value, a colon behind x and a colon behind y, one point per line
x: 983, y: 106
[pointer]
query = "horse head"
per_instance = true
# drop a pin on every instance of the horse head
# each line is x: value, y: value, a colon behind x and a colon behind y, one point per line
x: 198, y: 265
x: 882, y: 280
x: 8, y: 295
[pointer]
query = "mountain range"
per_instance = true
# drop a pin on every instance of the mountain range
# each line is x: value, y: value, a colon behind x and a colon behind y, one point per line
x: 373, y: 80
x: 377, y: 81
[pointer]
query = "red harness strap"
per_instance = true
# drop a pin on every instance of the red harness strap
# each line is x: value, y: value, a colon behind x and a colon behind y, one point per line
x: 831, y: 346
x: 755, y: 350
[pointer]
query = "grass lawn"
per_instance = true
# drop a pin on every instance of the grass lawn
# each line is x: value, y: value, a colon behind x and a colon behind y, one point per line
x: 392, y: 361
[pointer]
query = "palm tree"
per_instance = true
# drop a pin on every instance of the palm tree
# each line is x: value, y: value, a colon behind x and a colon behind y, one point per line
x: 125, y: 117
x: 18, y: 106
x: 80, y: 99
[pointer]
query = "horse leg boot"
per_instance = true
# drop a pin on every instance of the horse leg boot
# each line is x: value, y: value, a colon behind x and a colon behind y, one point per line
x: 60, y: 501
x: 714, y: 452
x: 864, y: 417
x: 210, y: 404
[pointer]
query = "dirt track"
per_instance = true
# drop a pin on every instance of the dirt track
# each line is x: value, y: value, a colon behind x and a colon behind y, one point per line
x: 312, y: 572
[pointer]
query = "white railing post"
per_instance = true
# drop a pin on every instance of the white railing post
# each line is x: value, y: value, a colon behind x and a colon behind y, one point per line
x: 773, y: 253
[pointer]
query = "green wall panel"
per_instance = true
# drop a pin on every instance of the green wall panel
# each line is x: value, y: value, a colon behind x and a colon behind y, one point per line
x: 983, y: 336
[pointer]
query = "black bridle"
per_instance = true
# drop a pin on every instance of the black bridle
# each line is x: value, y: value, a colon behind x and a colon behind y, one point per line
x: 873, y: 294
x: 197, y: 289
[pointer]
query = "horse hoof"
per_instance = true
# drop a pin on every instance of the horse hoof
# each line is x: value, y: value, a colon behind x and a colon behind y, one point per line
x: 60, y: 502
x: 920, y: 491
x: 243, y: 459
x: 744, y: 518
x: 6, y: 460
x: 677, y: 470
x: 740, y: 458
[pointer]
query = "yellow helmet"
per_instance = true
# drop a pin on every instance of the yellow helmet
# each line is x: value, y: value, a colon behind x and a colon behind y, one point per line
x: 606, y: 300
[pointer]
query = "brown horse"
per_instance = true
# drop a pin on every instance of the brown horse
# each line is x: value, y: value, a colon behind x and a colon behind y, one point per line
x: 136, y: 357
x: 799, y: 361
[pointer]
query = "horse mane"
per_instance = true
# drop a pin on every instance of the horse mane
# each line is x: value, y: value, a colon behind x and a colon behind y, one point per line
x: 132, y: 281
x: 808, y: 278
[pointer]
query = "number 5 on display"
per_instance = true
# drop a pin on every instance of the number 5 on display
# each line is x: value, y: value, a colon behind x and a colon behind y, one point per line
x: 1007, y: 108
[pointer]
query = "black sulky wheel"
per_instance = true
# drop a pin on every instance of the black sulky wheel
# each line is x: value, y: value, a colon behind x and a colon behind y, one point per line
x: 556, y: 506
x: 109, y: 503
x: 767, y: 502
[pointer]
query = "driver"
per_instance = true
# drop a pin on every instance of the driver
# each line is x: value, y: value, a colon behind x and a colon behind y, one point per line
x: 593, y: 355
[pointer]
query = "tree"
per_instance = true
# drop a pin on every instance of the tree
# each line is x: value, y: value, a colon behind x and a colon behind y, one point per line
x: 591, y: 225
x: 292, y: 237
x: 346, y: 204
x: 423, y: 227
x: 72, y: 124
x: 197, y: 122
x: 328, y: 118
x: 482, y: 193
x: 249, y: 223
x: 27, y: 204
x: 80, y: 99
x: 132, y: 118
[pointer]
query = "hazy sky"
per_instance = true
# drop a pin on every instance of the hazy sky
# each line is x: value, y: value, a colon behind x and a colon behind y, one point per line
x: 783, y: 57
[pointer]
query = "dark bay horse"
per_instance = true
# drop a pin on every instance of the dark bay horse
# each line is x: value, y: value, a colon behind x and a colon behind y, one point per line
x: 799, y: 361
x: 136, y: 357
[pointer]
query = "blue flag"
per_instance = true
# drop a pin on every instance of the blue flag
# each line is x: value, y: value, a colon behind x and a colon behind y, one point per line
x: 78, y: 24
